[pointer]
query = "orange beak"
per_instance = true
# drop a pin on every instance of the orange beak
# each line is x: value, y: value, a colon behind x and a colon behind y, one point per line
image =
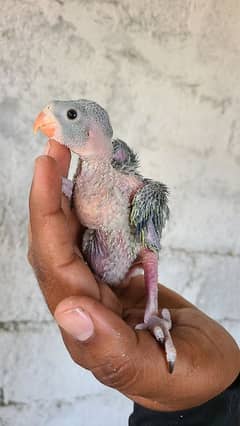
x: 45, y: 122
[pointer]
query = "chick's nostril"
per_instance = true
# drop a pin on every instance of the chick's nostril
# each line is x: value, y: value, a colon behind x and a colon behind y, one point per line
x: 48, y: 108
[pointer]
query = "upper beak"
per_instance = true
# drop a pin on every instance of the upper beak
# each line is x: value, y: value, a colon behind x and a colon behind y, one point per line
x: 45, y: 122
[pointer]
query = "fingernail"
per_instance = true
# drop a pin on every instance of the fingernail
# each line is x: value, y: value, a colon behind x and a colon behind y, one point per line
x: 47, y: 148
x: 76, y: 322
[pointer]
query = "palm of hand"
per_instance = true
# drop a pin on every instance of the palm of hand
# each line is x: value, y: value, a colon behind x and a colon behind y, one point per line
x: 203, y: 348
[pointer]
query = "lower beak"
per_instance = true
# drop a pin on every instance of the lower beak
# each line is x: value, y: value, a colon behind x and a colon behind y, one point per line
x: 45, y: 122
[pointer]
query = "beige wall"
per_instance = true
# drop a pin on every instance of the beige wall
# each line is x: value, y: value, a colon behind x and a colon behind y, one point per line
x: 168, y: 73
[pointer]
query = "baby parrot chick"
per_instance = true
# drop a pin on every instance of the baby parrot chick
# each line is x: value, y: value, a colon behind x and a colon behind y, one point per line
x: 123, y: 213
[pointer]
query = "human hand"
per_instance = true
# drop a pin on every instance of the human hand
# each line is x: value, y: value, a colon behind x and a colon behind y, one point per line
x: 97, y: 323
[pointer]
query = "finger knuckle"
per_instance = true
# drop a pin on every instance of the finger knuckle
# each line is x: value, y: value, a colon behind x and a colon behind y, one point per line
x: 40, y: 268
x: 119, y: 373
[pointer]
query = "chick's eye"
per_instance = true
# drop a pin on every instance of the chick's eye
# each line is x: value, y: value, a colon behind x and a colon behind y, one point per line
x: 72, y: 114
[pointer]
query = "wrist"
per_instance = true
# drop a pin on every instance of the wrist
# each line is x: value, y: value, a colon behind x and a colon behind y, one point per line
x: 221, y: 410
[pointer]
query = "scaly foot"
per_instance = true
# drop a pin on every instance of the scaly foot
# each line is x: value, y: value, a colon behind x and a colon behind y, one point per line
x: 160, y: 327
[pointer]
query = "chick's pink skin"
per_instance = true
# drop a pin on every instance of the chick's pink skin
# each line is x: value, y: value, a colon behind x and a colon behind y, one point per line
x: 102, y: 201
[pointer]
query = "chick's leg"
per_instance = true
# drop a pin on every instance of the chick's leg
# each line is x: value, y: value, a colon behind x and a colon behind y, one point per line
x: 159, y: 326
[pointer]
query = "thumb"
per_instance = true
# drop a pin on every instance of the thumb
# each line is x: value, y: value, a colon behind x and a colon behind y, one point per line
x: 99, y: 340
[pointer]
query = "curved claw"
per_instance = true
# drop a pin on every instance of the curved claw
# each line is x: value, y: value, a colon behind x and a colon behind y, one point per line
x: 160, y: 328
x: 171, y: 365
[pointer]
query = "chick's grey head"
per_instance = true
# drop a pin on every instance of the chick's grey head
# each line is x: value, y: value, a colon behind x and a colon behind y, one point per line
x: 81, y: 125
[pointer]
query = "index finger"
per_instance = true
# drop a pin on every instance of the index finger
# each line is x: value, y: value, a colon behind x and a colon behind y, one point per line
x: 60, y: 271
x: 61, y: 154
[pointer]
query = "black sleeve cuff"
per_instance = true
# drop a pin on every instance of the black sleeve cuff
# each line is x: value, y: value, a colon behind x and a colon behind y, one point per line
x: 223, y: 410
